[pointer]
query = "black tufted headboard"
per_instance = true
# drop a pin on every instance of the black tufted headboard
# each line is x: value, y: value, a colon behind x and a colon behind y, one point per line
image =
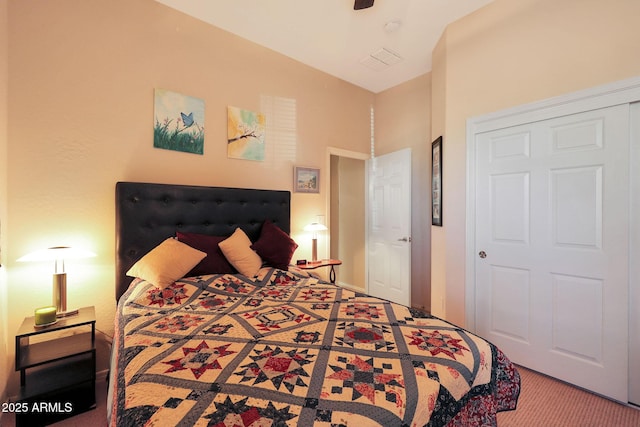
x: 146, y: 214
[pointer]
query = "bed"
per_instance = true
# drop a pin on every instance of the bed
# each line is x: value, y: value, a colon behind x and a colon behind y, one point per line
x: 279, y: 347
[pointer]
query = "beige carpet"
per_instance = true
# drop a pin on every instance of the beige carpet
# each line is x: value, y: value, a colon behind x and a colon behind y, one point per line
x: 544, y: 402
x: 550, y: 403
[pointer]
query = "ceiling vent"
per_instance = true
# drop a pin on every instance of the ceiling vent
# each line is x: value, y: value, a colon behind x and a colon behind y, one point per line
x: 381, y: 59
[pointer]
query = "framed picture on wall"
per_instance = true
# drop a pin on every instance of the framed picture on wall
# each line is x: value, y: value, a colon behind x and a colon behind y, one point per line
x: 179, y: 122
x: 306, y: 180
x: 436, y: 182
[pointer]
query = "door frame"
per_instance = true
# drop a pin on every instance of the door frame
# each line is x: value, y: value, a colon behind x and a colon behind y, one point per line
x: 622, y: 92
x: 634, y: 253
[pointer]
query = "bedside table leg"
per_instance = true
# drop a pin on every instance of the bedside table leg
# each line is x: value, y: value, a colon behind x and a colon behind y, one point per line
x: 332, y: 275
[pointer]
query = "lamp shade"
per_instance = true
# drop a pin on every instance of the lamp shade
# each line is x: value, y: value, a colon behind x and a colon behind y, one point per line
x: 315, y: 227
x: 56, y: 253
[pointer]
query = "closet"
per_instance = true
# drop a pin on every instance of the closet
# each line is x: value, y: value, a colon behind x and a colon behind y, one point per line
x: 552, y: 245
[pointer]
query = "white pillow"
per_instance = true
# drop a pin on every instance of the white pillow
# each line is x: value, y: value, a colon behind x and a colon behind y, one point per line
x: 237, y: 249
x: 166, y: 263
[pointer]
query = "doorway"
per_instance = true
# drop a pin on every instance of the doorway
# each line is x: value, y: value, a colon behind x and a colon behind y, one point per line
x: 347, y: 224
x: 370, y: 222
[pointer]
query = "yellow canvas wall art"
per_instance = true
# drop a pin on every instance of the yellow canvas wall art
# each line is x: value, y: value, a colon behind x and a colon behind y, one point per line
x: 245, y: 134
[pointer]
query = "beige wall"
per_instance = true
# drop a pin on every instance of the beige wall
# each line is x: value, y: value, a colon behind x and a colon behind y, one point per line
x: 4, y: 341
x: 506, y: 54
x: 403, y: 120
x: 82, y: 75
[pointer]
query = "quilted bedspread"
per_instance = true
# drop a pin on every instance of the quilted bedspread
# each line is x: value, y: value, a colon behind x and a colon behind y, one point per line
x: 285, y: 349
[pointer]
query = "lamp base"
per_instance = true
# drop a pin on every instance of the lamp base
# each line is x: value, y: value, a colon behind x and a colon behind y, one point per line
x: 60, y: 295
x: 314, y: 250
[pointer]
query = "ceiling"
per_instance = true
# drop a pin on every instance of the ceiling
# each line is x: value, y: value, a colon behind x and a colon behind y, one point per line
x: 375, y: 48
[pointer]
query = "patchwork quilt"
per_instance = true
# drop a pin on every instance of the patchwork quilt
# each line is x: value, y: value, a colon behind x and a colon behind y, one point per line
x: 287, y: 349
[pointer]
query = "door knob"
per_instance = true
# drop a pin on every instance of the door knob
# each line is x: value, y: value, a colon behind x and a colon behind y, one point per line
x: 482, y: 254
x: 405, y: 239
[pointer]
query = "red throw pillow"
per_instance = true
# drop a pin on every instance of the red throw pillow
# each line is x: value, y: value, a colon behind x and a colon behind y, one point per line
x: 215, y: 261
x: 274, y: 246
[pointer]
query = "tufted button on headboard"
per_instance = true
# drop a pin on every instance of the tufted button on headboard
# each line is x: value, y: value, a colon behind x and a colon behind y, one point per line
x: 146, y: 214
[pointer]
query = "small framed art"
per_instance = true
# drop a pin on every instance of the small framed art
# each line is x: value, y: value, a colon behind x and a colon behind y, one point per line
x: 306, y: 180
x: 436, y: 182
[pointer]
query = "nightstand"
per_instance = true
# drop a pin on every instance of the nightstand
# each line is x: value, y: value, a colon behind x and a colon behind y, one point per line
x: 57, y: 373
x: 323, y: 263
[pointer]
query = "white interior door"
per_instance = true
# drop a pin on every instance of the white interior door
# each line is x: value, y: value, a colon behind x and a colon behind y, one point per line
x: 552, y: 243
x: 389, y: 230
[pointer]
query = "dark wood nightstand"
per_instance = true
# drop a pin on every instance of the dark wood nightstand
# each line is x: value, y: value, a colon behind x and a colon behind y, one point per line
x: 322, y: 263
x: 57, y: 375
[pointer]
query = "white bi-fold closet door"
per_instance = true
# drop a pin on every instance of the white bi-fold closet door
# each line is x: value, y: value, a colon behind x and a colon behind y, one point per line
x: 551, y: 236
x: 552, y: 217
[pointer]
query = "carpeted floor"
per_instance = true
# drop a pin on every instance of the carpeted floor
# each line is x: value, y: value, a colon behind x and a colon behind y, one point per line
x: 544, y: 402
x: 547, y: 402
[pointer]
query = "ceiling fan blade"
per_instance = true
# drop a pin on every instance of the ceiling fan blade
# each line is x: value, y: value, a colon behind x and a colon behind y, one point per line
x: 362, y: 4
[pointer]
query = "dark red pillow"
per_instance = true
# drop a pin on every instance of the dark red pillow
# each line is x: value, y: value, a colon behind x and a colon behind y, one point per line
x: 274, y: 246
x: 215, y: 261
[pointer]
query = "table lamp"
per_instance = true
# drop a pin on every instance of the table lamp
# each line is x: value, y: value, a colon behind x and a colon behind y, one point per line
x: 58, y: 254
x: 315, y: 227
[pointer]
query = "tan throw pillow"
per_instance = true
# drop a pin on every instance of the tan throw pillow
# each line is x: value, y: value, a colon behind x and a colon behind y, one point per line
x: 166, y: 263
x: 237, y: 249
